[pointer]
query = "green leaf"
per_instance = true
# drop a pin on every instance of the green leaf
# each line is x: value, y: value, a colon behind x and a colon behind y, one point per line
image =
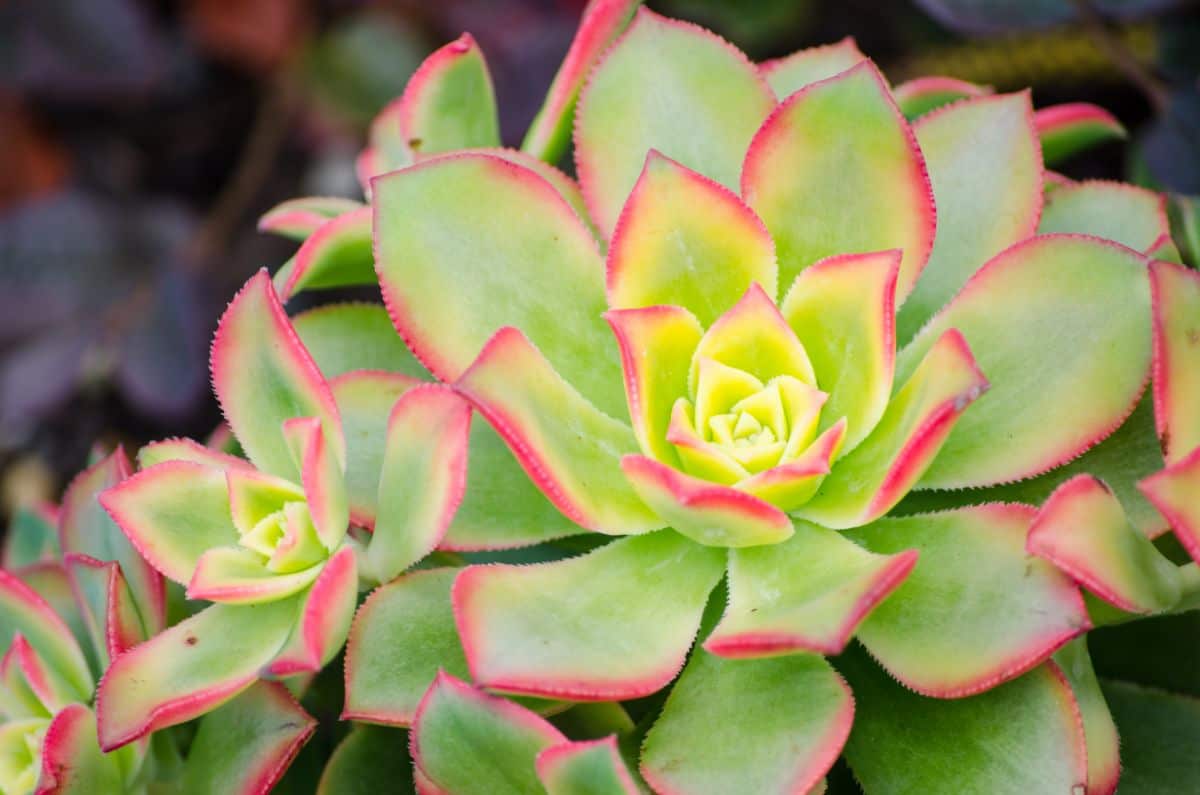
x: 1067, y: 380
x: 1159, y: 734
x: 355, y: 336
x: 789, y: 74
x: 763, y: 726
x: 1021, y: 737
x: 669, y: 86
x: 31, y: 537
x: 1100, y: 734
x: 369, y: 761
x: 1129, y: 215
x: 246, y: 745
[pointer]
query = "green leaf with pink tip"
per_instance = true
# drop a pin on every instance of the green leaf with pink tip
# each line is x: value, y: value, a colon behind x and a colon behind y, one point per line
x: 449, y: 102
x: 707, y: 513
x: 470, y: 743
x: 23, y: 611
x: 1082, y: 530
x: 106, y: 605
x: 656, y: 343
x: 49, y: 580
x: 868, y: 482
x: 326, y: 610
x: 322, y: 474
x: 299, y: 218
x: 72, y: 763
x: 922, y: 95
x: 1173, y: 491
x: 843, y: 311
x: 469, y: 241
x: 986, y: 170
x: 364, y: 399
x: 755, y: 338
x: 976, y: 609
x: 179, y: 449
x: 1100, y: 733
x: 402, y: 636
x: 502, y: 508
x: 1176, y: 291
x: 549, y: 133
x: 190, y: 668
x: 1024, y: 736
x: 86, y: 529
x: 255, y: 336
x: 615, y: 623
x: 788, y: 486
x: 569, y: 448
x: 355, y: 336
x: 836, y: 169
x: 336, y: 254
x: 422, y: 478
x: 670, y: 86
x: 1061, y: 326
x: 244, y: 747
x: 1071, y: 128
x: 30, y: 688
x: 763, y: 726
x: 1132, y: 216
x: 173, y: 513
x: 808, y: 593
x: 789, y: 74
x: 588, y: 767
x: 238, y: 576
x: 685, y: 240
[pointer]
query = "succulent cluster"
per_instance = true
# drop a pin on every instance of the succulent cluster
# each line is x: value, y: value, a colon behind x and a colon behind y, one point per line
x: 803, y: 366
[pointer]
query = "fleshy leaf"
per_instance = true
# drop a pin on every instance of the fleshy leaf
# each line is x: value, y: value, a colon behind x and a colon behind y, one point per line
x: 868, y: 482
x: 326, y: 611
x: 365, y: 399
x: 1158, y: 732
x: 976, y: 610
x: 30, y: 689
x: 1024, y: 736
x: 761, y: 726
x: 24, y: 612
x: 188, y: 450
x: 470, y: 743
x: 986, y: 170
x: 1129, y: 215
x: 615, y: 623
x: 549, y: 133
x: 807, y: 594
x: 921, y: 95
x: 1173, y: 492
x: 402, y: 635
x: 323, y: 477
x: 31, y: 536
x: 836, y: 169
x: 789, y: 74
x: 72, y: 763
x: 468, y: 242
x: 423, y: 476
x: 843, y: 310
x: 189, y: 669
x: 1176, y: 291
x: 244, y: 747
x: 106, y: 605
x: 1083, y: 531
x: 1067, y: 380
x: 337, y: 254
x: 656, y: 345
x: 502, y: 508
x: 707, y: 513
x: 255, y: 336
x: 685, y: 240
x: 569, y: 448
x: 588, y: 767
x: 670, y: 86
x: 173, y: 513
x: 1074, y: 127
x: 86, y: 529
x: 235, y: 575
x: 355, y: 336
x: 370, y: 759
x: 299, y: 218
x: 449, y: 102
x: 1100, y: 733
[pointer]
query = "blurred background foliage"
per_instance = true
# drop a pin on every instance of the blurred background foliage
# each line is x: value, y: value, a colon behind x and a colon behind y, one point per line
x: 141, y: 139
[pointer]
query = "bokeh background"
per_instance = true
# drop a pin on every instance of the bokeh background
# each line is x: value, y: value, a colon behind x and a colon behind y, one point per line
x: 141, y: 139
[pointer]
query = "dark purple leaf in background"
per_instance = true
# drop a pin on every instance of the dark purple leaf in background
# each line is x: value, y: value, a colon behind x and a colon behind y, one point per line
x: 1170, y: 147
x: 998, y: 16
